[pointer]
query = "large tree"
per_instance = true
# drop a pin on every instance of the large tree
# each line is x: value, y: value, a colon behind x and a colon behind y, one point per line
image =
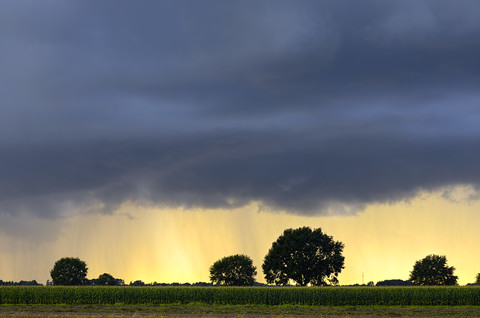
x: 69, y: 271
x: 478, y: 279
x: 235, y: 270
x: 433, y: 270
x: 304, y: 256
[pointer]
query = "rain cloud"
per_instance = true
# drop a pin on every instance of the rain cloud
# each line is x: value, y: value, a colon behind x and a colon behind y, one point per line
x: 309, y: 107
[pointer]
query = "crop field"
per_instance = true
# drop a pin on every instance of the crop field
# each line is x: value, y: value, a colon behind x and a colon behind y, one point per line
x: 264, y: 296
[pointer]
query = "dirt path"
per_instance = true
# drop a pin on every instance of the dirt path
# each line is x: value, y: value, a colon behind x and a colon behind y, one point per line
x: 194, y: 311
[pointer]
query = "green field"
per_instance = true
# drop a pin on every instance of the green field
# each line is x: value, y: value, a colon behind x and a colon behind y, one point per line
x: 263, y: 296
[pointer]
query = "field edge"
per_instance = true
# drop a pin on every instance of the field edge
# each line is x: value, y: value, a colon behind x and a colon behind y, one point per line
x: 236, y: 311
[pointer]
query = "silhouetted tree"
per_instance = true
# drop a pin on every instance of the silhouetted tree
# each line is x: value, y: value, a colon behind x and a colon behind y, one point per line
x: 235, y: 270
x: 107, y: 280
x: 394, y: 282
x: 304, y: 256
x: 137, y: 283
x: 433, y: 270
x: 69, y: 271
x: 20, y: 283
x: 478, y: 279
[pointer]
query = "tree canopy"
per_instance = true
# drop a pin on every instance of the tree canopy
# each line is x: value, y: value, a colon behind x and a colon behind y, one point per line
x: 304, y: 256
x: 478, y: 279
x: 235, y: 270
x: 433, y: 270
x: 108, y: 280
x: 69, y: 271
x: 394, y: 282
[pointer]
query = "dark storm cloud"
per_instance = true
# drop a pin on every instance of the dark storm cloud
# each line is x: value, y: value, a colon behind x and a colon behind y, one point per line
x: 297, y: 105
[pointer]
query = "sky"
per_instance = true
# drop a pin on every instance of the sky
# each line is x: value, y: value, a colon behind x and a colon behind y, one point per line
x: 151, y: 138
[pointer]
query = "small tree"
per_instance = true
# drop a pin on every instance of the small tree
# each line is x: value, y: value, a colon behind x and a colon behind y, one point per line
x: 69, y: 271
x: 106, y: 280
x: 304, y: 256
x: 433, y: 270
x: 137, y: 283
x: 235, y: 270
x: 394, y: 282
x: 478, y: 279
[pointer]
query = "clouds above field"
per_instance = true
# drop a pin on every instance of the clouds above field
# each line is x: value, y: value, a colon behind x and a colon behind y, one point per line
x: 311, y: 107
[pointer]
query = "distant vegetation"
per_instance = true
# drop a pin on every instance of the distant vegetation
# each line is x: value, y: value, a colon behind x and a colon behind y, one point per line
x: 21, y: 283
x: 107, y: 280
x: 394, y: 282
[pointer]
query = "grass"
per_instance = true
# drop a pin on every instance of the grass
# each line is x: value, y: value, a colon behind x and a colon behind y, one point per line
x: 234, y: 311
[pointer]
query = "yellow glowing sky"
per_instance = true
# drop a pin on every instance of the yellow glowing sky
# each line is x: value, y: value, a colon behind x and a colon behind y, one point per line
x: 175, y: 245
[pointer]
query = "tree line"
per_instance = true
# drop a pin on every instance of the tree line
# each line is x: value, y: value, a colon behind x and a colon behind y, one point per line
x: 302, y: 256
x: 20, y: 283
x: 310, y: 257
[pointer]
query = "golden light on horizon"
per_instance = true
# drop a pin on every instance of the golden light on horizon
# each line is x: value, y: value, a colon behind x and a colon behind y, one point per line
x: 179, y: 245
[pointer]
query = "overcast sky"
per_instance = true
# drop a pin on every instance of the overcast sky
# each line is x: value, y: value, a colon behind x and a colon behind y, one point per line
x: 311, y: 107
